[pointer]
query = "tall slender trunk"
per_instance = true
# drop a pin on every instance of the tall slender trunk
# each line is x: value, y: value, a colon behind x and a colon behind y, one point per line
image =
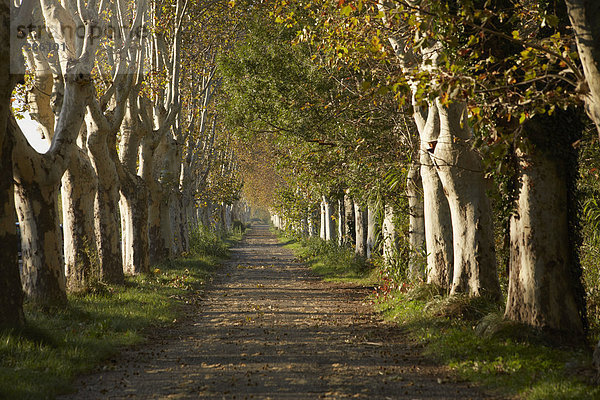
x: 106, y: 205
x: 175, y: 216
x: 160, y: 186
x: 416, y: 224
x: 371, y: 230
x: 461, y: 172
x: 389, y: 236
x: 304, y: 224
x: 436, y: 212
x: 360, y: 215
x: 545, y: 278
x: 323, y: 220
x: 329, y: 226
x: 157, y: 249
x: 134, y: 214
x: 341, y: 223
x: 202, y: 215
x: 349, y: 224
x: 185, y: 221
x: 134, y: 195
x: 79, y: 185
x: 310, y: 222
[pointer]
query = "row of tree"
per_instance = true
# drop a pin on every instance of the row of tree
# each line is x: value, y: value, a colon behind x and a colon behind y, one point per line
x: 124, y: 93
x: 462, y: 118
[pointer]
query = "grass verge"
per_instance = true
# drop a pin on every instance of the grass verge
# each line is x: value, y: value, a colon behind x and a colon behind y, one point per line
x: 41, y: 360
x: 333, y: 263
x: 483, y: 348
x: 467, y: 335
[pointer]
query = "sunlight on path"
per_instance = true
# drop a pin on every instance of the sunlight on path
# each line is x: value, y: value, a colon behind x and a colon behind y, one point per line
x: 269, y: 329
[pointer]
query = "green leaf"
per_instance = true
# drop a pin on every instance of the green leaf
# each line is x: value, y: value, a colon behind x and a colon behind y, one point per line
x: 522, y: 118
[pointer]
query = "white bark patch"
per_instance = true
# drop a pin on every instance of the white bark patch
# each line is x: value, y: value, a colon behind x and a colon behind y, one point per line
x: 541, y: 291
x: 461, y: 173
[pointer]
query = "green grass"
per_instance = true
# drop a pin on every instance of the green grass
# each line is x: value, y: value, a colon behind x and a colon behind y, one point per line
x: 330, y: 261
x: 41, y: 360
x: 506, y: 357
x: 467, y: 335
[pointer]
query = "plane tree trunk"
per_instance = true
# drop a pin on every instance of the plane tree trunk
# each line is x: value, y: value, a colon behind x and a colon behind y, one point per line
x: 545, y: 289
x: 360, y: 213
x: 436, y: 212
x: 461, y: 172
x: 389, y: 236
x: 79, y: 185
x: 371, y: 230
x: 37, y: 178
x: 349, y: 234
x: 416, y: 223
x: 11, y: 294
x: 134, y: 196
x: 106, y: 204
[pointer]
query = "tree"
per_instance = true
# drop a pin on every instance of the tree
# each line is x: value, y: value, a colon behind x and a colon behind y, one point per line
x: 584, y: 17
x: 103, y: 122
x: 545, y: 277
x: 11, y: 295
x: 37, y: 176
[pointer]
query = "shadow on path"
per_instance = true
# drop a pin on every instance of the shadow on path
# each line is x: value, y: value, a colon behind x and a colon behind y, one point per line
x: 268, y: 329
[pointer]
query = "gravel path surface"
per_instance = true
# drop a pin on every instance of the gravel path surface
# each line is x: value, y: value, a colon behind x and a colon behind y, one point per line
x: 269, y: 329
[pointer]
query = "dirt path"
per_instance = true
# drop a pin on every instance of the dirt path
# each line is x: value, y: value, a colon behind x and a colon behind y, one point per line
x: 268, y: 329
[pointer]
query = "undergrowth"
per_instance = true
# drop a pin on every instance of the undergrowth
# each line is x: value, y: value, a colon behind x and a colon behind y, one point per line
x: 41, y: 360
x: 330, y: 261
x: 204, y: 241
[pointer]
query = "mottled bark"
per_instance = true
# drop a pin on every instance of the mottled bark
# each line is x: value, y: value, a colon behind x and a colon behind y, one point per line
x: 349, y: 230
x: 416, y: 225
x: 371, y: 230
x: 79, y: 185
x: 43, y: 275
x: 544, y: 283
x: 360, y: 216
x: 181, y: 223
x: 322, y: 220
x: 106, y: 204
x: 389, y: 236
x: 176, y: 221
x: 436, y: 212
x: 328, y: 223
x: 134, y: 214
x: 160, y: 185
x: 134, y: 198
x: 227, y: 221
x: 37, y: 179
x: 157, y: 249
x: 461, y: 172
x: 341, y: 224
x: 304, y: 225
